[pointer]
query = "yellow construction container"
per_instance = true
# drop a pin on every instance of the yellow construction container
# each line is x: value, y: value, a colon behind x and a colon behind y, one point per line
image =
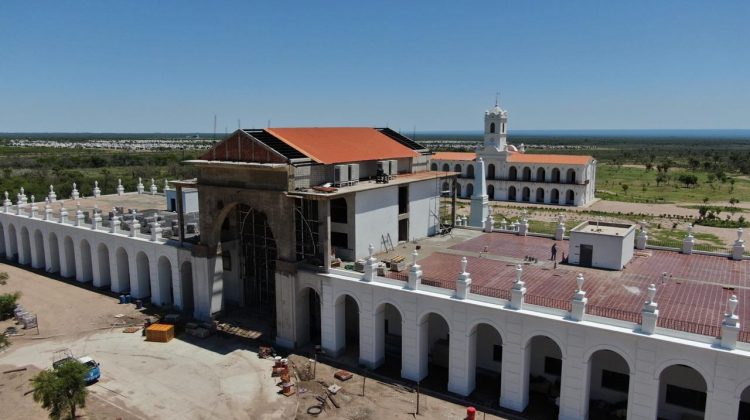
x: 160, y: 332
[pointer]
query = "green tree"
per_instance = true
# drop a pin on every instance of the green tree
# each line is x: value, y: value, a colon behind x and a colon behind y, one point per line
x: 61, y: 390
x: 661, y: 178
x: 625, y: 188
x: 8, y: 303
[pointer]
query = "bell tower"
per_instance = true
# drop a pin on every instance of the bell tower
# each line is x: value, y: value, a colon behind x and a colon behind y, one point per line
x: 495, y: 128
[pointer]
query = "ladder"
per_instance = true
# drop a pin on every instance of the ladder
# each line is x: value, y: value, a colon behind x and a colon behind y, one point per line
x: 387, y: 242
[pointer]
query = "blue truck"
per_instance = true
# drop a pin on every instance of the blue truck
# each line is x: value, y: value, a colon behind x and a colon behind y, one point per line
x: 94, y: 371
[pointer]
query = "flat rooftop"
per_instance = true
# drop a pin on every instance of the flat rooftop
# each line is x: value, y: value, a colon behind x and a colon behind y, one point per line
x: 142, y: 202
x: 365, y: 185
x: 604, y: 228
x: 691, y: 297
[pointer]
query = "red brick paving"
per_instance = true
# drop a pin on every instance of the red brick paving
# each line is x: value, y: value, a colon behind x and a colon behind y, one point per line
x: 696, y: 291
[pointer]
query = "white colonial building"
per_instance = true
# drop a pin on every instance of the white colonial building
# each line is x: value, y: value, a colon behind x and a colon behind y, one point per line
x: 513, y: 175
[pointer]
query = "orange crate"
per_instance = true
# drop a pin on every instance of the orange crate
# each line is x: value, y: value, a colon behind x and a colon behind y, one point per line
x: 160, y: 332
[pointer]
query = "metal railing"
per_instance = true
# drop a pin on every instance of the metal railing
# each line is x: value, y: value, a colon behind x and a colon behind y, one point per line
x: 547, y: 302
x: 612, y: 313
x: 690, y: 327
x: 491, y: 292
x: 744, y: 336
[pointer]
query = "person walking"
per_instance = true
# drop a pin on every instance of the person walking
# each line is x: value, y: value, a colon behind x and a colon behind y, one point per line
x: 554, y: 251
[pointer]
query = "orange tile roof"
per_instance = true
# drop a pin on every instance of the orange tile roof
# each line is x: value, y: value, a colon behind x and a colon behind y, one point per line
x: 454, y: 156
x: 342, y: 144
x: 541, y: 158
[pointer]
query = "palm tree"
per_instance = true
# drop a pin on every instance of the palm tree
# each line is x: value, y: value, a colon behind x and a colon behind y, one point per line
x: 62, y: 389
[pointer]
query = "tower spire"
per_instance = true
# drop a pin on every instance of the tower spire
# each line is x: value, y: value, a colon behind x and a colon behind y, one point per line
x: 497, y: 98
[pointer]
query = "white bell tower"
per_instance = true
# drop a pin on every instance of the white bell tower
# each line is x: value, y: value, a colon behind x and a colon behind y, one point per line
x: 495, y: 129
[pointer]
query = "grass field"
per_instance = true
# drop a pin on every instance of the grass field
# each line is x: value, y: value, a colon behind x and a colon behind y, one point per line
x: 642, y: 186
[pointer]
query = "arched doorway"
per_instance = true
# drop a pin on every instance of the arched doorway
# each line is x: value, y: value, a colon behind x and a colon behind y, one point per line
x: 434, y: 349
x: 12, y: 253
x: 445, y: 189
x: 744, y: 412
x: 554, y: 196
x: 571, y: 177
x: 446, y: 167
x: 491, y: 192
x: 123, y: 271
x: 186, y: 283
x: 70, y: 258
x: 469, y: 190
x: 512, y: 173
x: 682, y: 393
x: 609, y: 385
x: 433, y: 166
x: 526, y: 174
x: 556, y: 175
x: 347, y: 327
x: 544, y: 367
x: 257, y: 265
x: 570, y: 198
x: 54, y: 253
x: 491, y: 171
x: 142, y: 287
x: 458, y: 190
x: 470, y: 171
x: 540, y: 175
x: 487, y: 346
x: 164, y: 269
x: 388, y: 341
x: 540, y: 195
x: 308, y: 317
x: 38, y: 259
x: 24, y: 254
x: 526, y: 194
x: 457, y: 168
x: 104, y: 274
x: 86, y: 274
x: 511, y: 193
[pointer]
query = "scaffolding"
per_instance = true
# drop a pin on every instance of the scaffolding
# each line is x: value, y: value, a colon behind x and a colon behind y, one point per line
x: 257, y: 261
x: 307, y: 232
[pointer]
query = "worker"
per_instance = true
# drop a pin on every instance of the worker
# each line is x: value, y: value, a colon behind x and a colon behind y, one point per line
x: 554, y: 251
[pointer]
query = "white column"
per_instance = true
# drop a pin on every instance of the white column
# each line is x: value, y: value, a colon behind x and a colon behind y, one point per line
x: 286, y: 299
x: 22, y: 257
x: 460, y: 351
x: 208, y: 285
x: 643, y: 398
x: 573, y: 398
x: 412, y: 366
x: 176, y: 284
x: 113, y: 270
x: 47, y: 254
x: 35, y: 257
x: 721, y: 401
x: 96, y: 275
x: 331, y: 321
x: 514, y: 381
x: 7, y: 239
x: 156, y: 292
x: 372, y: 336
x: 135, y: 288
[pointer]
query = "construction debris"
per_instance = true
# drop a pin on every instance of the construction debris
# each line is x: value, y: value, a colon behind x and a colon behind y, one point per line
x: 333, y: 389
x: 343, y: 375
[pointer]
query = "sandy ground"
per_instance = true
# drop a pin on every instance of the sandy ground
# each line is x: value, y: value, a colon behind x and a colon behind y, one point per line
x: 220, y: 377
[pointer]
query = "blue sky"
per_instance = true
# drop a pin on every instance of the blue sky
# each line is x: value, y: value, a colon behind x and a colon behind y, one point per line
x: 169, y: 66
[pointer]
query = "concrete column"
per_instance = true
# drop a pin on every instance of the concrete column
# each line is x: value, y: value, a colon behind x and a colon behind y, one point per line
x: 479, y: 200
x: 412, y: 365
x: 96, y: 277
x: 515, y: 368
x: 156, y: 292
x: 573, y: 384
x: 372, y: 336
x: 7, y: 238
x: 135, y: 289
x: 722, y: 401
x: 643, y: 398
x: 35, y: 257
x: 325, y: 234
x: 47, y: 255
x: 207, y: 282
x: 461, y: 356
x: 176, y: 284
x: 79, y: 260
x: 22, y: 257
x: 65, y: 270
x: 332, y: 316
x: 115, y: 284
x: 286, y: 306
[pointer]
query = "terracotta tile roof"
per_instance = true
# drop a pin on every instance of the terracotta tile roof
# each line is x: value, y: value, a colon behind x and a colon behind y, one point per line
x: 542, y: 158
x: 342, y: 144
x: 454, y: 156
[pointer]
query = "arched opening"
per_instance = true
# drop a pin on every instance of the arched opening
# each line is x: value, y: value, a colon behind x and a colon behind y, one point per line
x: 105, y: 274
x: 308, y: 317
x: 470, y: 171
x: 2, y: 241
x: 445, y: 189
x: 54, y: 253
x: 123, y: 271
x: 257, y: 265
x: 38, y: 259
x: 70, y: 258
x: 540, y: 175
x: 12, y: 253
x: 554, y: 196
x: 433, y: 166
x: 526, y: 194
x: 609, y: 385
x: 457, y: 168
x: 346, y: 311
x: 511, y: 193
x: 388, y: 340
x: 544, y: 365
x: 491, y: 171
x: 446, y: 167
x: 164, y: 269
x: 469, y: 190
x: 512, y: 173
x: 491, y: 192
x: 486, y: 345
x: 526, y: 174
x: 540, y: 195
x: 492, y: 128
x: 555, y: 175
x: 142, y: 286
x: 682, y: 393
x: 434, y: 345
x: 571, y: 177
x: 458, y: 190
x: 186, y: 283
x: 744, y: 412
x: 570, y: 198
x: 86, y: 274
x: 24, y: 254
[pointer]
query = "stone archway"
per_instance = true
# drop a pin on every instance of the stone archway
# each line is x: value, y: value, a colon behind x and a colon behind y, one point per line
x: 682, y: 393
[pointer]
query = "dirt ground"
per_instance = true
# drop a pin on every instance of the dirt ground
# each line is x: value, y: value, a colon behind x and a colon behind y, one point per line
x: 186, y: 378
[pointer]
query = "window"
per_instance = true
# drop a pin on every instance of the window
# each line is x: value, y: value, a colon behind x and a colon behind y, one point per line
x: 552, y: 366
x: 687, y: 398
x: 338, y: 211
x: 615, y: 381
x: 340, y: 240
x: 497, y: 353
x: 403, y: 200
x: 226, y: 260
x: 492, y: 127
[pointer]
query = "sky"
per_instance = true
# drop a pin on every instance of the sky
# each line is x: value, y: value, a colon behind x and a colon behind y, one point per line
x: 170, y: 66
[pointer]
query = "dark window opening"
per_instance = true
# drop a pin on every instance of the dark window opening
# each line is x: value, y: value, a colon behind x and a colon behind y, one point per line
x: 386, y: 327
x: 615, y: 381
x: 497, y: 353
x: 403, y: 199
x: 226, y: 260
x: 225, y: 224
x: 687, y: 398
x: 338, y: 211
x: 552, y: 366
x: 340, y: 240
x: 492, y: 127
x: 403, y: 230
